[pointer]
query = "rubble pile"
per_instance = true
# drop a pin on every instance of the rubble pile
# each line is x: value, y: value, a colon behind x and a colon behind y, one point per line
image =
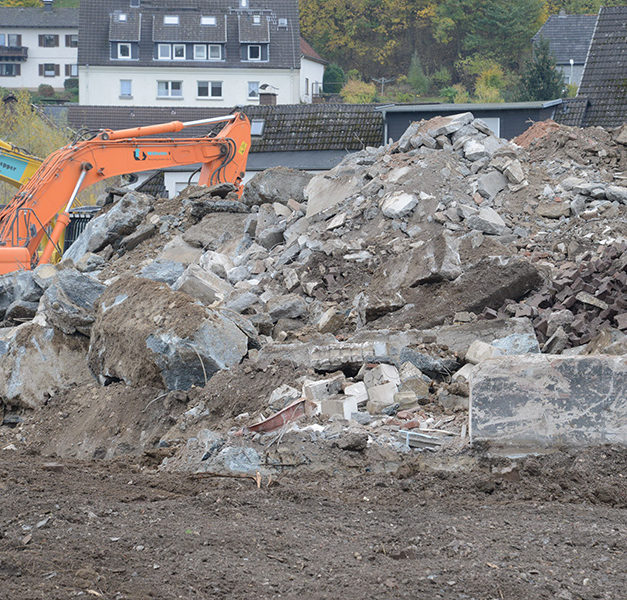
x: 375, y: 287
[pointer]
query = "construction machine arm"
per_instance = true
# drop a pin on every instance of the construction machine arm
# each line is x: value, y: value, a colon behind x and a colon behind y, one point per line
x: 23, y: 223
x: 16, y: 166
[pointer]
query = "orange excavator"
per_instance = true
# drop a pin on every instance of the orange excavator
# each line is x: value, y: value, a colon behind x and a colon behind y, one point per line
x: 52, y: 190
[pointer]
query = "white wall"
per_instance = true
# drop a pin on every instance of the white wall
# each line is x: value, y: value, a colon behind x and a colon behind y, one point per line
x: 60, y: 55
x: 577, y: 73
x: 313, y: 71
x: 101, y: 85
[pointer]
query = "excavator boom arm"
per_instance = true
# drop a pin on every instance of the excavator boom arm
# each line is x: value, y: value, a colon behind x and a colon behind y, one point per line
x: 75, y: 167
x: 16, y: 166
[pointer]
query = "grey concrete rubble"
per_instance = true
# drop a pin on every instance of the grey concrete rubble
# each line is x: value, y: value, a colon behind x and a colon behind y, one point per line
x: 370, y: 304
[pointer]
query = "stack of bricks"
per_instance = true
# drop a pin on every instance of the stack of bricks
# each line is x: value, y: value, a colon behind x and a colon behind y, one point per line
x: 584, y: 297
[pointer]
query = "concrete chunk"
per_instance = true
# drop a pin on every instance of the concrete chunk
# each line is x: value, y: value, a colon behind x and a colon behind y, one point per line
x: 548, y: 400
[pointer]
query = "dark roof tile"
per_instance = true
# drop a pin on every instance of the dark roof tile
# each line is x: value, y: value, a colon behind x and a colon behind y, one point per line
x: 569, y: 37
x: 287, y: 127
x: 604, y: 81
x: 38, y: 17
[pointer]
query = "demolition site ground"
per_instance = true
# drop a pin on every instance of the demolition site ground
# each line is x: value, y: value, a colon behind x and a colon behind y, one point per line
x: 550, y: 527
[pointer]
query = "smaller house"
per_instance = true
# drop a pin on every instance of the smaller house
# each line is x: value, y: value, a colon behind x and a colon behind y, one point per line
x: 38, y: 46
x: 569, y: 38
x: 310, y: 137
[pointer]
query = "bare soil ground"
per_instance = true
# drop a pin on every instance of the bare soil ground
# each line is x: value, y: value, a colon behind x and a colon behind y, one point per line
x: 541, y: 527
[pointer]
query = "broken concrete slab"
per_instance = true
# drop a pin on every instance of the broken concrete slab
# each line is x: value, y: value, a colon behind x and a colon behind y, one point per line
x: 38, y: 361
x: 324, y: 192
x: 277, y: 184
x: 546, y: 400
x: 69, y: 303
x: 203, y: 285
x: 488, y: 221
x: 109, y: 228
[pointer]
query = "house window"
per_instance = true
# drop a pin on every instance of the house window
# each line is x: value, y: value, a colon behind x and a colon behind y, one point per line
x: 282, y: 23
x: 126, y: 90
x: 164, y: 52
x: 256, y: 127
x: 178, y: 51
x: 208, y: 21
x: 124, y: 51
x: 9, y: 70
x: 307, y: 86
x: 122, y: 17
x: 215, y: 52
x: 210, y: 89
x: 2, y: 39
x: 243, y: 3
x: 253, y: 89
x: 14, y: 39
x: 169, y: 89
x: 171, y: 20
x: 254, y: 52
x: 71, y: 70
x: 71, y: 41
x: 200, y: 52
x: 256, y: 20
x: 48, y: 70
x: 48, y: 40
x: 135, y: 3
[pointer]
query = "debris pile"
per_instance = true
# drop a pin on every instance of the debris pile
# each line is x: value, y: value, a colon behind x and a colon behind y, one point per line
x: 369, y: 292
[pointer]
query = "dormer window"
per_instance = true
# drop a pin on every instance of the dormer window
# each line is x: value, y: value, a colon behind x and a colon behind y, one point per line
x: 254, y: 52
x: 124, y: 51
x: 208, y: 21
x: 256, y: 20
x: 171, y: 20
x: 283, y: 23
x: 122, y: 17
x: 135, y: 3
x: 178, y: 51
x: 243, y: 3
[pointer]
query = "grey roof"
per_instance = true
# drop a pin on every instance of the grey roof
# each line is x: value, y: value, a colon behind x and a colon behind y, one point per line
x: 604, y: 81
x: 571, y: 112
x: 125, y: 30
x: 468, y: 107
x: 94, y: 23
x: 39, y: 17
x: 569, y: 37
x: 287, y: 127
x: 190, y: 29
x: 252, y: 32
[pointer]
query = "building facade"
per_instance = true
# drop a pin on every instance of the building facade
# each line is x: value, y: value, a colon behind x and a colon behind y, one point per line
x: 38, y: 46
x: 210, y: 53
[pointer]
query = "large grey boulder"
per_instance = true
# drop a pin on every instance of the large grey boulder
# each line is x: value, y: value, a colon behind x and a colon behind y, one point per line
x: 111, y: 227
x: 277, y: 184
x: 69, y: 303
x: 19, y: 288
x: 540, y: 400
x: 147, y: 334
x: 38, y: 361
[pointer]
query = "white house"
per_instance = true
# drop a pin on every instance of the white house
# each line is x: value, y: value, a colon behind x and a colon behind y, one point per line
x: 311, y: 72
x: 38, y: 45
x: 211, y: 53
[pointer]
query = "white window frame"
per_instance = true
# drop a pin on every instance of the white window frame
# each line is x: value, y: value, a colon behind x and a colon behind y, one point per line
x: 254, y: 96
x: 74, y: 70
x: 2, y: 39
x: 203, y: 54
x: 282, y: 23
x: 130, y: 51
x: 211, y: 47
x: 130, y: 88
x: 210, y: 90
x: 49, y: 73
x: 174, y: 47
x: 122, y: 18
x: 12, y: 35
x: 256, y: 19
x: 209, y: 20
x: 169, y: 89
x: 164, y: 46
x: 170, y: 19
x: 250, y: 48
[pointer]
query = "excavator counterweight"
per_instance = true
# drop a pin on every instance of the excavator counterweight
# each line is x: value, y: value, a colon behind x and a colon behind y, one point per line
x: 51, y: 191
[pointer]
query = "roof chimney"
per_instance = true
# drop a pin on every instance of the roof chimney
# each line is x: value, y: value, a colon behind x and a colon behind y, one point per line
x: 48, y: 4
